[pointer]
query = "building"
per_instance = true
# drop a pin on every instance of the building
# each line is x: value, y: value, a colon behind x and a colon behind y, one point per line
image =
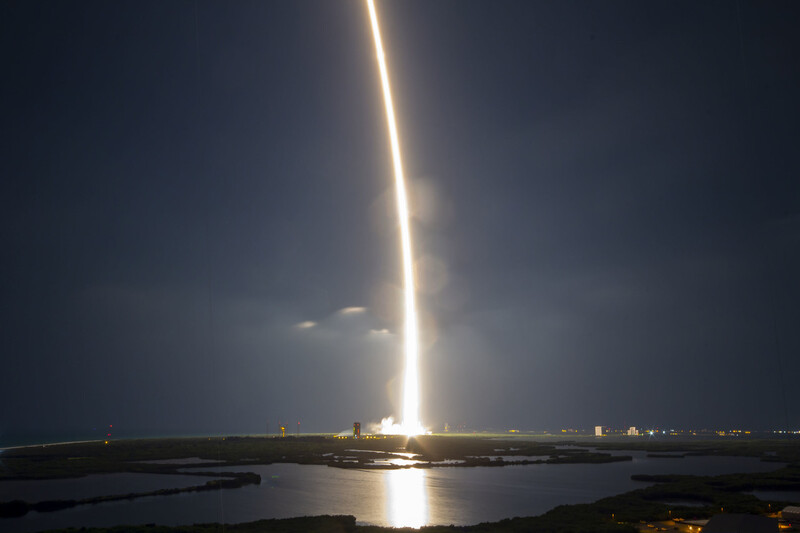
x: 632, y: 431
x: 741, y: 523
x: 598, y: 431
x: 356, y: 430
x: 791, y: 514
x: 691, y: 526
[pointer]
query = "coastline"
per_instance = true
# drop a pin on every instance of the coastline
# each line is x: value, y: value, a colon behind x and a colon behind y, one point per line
x: 716, y: 492
x: 46, y: 444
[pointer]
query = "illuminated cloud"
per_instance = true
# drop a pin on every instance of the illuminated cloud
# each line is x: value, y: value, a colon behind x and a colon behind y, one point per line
x: 349, y: 332
x: 351, y: 310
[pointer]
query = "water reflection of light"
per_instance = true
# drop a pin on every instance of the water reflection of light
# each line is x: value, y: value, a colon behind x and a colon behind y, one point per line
x: 396, y: 462
x: 406, y: 499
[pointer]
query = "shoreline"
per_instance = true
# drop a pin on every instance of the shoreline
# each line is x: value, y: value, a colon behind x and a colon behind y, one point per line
x: 631, y: 507
x: 46, y: 444
x: 619, y: 442
x: 157, y: 437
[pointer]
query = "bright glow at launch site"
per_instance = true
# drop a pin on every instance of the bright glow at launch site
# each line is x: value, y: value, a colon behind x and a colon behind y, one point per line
x: 410, y: 424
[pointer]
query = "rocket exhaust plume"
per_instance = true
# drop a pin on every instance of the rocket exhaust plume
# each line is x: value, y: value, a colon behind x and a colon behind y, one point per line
x: 410, y: 424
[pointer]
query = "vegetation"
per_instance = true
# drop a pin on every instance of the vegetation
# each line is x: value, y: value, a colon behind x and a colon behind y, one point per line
x: 781, y: 451
x: 80, y: 459
x: 17, y: 508
x: 614, y: 514
x: 310, y: 524
x: 710, y: 494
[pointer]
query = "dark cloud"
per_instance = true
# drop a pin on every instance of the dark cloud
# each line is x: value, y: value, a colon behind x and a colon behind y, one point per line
x: 605, y: 198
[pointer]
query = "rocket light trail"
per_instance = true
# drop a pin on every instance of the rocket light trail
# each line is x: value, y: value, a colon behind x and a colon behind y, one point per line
x: 410, y: 424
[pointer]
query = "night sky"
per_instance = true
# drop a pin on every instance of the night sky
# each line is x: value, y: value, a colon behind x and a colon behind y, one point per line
x: 199, y: 232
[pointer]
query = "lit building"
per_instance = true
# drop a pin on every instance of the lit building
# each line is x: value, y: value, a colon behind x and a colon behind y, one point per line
x: 791, y: 514
x: 632, y: 431
x: 741, y: 523
x: 598, y: 431
x: 356, y: 430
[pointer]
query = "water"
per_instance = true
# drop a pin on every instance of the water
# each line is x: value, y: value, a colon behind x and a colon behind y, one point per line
x: 410, y: 497
x: 78, y: 488
x: 182, y: 461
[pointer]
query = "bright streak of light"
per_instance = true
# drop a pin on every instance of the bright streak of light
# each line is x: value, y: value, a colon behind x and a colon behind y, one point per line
x: 407, y: 500
x: 411, y: 423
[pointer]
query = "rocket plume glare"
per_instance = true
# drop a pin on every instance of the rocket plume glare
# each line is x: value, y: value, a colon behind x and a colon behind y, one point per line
x: 411, y: 424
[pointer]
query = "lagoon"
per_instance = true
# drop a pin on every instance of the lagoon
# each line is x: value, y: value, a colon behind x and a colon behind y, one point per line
x: 407, y: 497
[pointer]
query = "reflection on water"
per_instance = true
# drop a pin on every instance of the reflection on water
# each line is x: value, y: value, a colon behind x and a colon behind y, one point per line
x: 410, y: 497
x: 406, y: 498
x: 396, y: 461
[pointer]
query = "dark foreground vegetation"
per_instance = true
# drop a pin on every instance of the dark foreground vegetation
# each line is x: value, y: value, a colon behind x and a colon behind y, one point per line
x: 780, y: 451
x: 615, y: 514
x: 347, y: 524
x: 80, y: 459
x: 17, y: 508
x: 622, y: 513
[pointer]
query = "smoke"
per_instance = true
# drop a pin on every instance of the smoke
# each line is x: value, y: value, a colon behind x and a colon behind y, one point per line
x: 389, y: 427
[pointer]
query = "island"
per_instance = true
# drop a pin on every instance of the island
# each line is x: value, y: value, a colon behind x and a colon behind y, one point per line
x: 229, y: 457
